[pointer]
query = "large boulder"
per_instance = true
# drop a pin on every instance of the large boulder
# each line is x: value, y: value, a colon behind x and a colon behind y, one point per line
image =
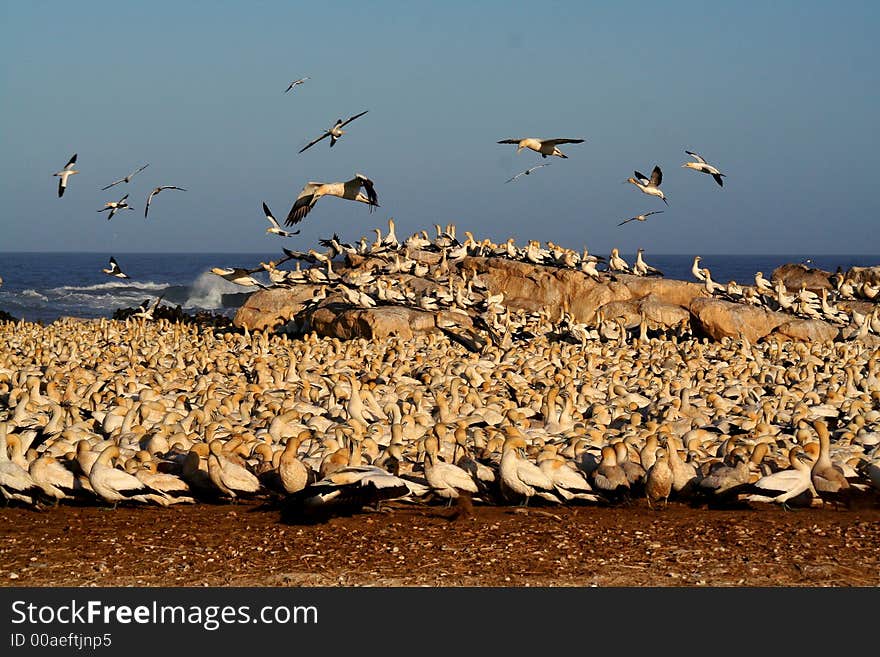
x: 348, y: 323
x: 267, y: 310
x: 808, y: 330
x: 795, y: 275
x: 724, y: 319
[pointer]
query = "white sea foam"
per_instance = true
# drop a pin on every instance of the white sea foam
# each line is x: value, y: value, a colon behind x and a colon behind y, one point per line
x: 33, y: 294
x: 207, y: 292
x: 110, y: 285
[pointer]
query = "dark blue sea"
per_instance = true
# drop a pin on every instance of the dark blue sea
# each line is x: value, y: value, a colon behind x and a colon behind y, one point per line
x: 45, y: 286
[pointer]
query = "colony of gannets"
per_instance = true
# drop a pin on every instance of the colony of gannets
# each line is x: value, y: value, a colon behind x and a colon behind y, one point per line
x: 93, y: 411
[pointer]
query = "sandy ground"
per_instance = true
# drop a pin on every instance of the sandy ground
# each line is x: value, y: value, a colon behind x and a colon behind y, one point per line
x: 248, y: 544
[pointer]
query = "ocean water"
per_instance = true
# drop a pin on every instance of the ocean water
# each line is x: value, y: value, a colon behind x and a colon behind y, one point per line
x: 45, y: 286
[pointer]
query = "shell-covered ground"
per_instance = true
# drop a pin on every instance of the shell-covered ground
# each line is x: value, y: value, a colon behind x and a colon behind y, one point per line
x: 408, y: 545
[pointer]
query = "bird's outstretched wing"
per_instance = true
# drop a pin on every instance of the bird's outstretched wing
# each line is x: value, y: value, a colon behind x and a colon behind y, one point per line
x: 70, y: 162
x: 314, y: 141
x: 367, y: 184
x: 626, y: 221
x: 642, y: 178
x: 352, y: 118
x: 510, y: 141
x: 563, y: 141
x: 269, y: 216
x: 303, y: 204
x: 149, y: 199
x: 648, y: 214
x: 656, y: 176
x: 696, y: 157
x: 296, y: 82
x: 717, y: 177
x: 114, y: 183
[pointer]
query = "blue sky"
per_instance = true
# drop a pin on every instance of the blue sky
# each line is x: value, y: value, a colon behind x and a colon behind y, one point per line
x: 782, y: 97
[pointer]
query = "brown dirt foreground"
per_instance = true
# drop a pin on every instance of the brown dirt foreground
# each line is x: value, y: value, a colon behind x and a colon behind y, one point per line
x: 407, y: 545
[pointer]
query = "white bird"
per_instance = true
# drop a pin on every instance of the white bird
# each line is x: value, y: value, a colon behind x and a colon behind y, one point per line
x: 116, y: 206
x: 762, y: 284
x: 114, y: 485
x: 696, y: 270
x: 335, y: 132
x: 446, y: 479
x: 616, y: 263
x: 704, y: 167
x: 296, y: 82
x: 126, y: 179
x: 642, y: 268
x: 231, y: 478
x: 239, y: 276
x: 64, y: 174
x: 155, y: 191
x: 650, y: 186
x: 114, y: 269
x: 275, y: 228
x: 545, y: 147
x: 350, y: 189
x: 527, y: 172
x: 147, y: 310
x: 785, y: 485
x: 640, y: 217
x: 520, y: 475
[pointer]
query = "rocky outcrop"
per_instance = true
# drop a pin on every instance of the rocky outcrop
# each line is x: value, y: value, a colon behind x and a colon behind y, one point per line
x: 724, y: 319
x: 808, y: 330
x: 269, y: 309
x: 553, y: 290
x: 796, y: 275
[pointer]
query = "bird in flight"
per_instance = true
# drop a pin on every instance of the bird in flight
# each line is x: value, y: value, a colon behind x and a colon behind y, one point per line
x: 116, y: 206
x: 335, y: 132
x: 126, y: 179
x: 275, y: 228
x: 704, y: 167
x: 239, y: 275
x: 295, y: 83
x: 64, y: 174
x: 650, y: 185
x: 350, y: 189
x: 527, y: 172
x: 114, y: 270
x: 640, y: 217
x: 543, y: 146
x: 155, y: 191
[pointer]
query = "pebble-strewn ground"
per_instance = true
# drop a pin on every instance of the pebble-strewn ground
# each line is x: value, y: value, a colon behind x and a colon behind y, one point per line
x: 242, y: 545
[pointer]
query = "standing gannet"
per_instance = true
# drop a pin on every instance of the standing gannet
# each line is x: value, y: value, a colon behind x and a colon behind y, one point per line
x: 335, y: 132
x: 296, y: 82
x: 640, y: 217
x: 126, y: 179
x: 446, y: 480
x: 527, y: 171
x: 64, y: 174
x: 518, y: 474
x: 545, y: 147
x: 350, y: 189
x: 696, y: 270
x: 114, y: 270
x: 114, y: 485
x: 116, y: 206
x: 658, y: 479
x: 650, y: 186
x: 274, y: 227
x: 616, y: 263
x: 231, y: 478
x: 642, y: 268
x: 155, y: 191
x: 785, y: 485
x: 704, y: 167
